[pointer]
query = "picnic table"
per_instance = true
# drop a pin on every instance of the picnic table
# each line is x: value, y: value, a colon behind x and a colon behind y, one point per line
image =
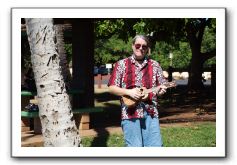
x: 81, y: 115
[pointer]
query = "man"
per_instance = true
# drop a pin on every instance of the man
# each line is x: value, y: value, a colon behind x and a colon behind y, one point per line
x: 140, y: 122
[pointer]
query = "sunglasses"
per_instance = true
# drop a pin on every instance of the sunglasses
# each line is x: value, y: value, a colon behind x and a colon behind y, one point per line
x: 144, y: 47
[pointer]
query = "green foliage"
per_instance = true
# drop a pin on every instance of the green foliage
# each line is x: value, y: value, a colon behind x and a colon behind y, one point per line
x: 139, y: 27
x: 113, y: 40
x: 161, y: 54
x: 68, y: 50
x: 111, y: 50
x: 25, y: 53
x: 209, y: 40
x: 114, y: 49
x: 106, y: 27
x: 209, y: 43
x: 210, y: 62
x: 181, y: 55
x: 167, y: 35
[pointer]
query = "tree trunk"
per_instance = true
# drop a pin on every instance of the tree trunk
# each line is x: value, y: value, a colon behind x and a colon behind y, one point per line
x: 62, y: 55
x: 194, y: 37
x: 195, y: 73
x: 58, y: 125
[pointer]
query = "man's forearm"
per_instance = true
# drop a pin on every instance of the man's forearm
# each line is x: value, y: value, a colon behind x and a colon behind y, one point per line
x: 118, y: 91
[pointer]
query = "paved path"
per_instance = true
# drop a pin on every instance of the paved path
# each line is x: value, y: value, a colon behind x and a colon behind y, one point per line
x: 29, y: 139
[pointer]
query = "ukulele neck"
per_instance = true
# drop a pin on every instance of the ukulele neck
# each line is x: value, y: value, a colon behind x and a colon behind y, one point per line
x: 155, y: 89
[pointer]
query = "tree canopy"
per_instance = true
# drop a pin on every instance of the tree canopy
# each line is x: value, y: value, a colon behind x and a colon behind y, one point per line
x: 113, y: 39
x: 191, y: 40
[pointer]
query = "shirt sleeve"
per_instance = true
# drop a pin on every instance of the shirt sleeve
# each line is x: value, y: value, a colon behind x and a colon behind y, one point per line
x: 160, y: 80
x: 160, y: 77
x: 116, y: 76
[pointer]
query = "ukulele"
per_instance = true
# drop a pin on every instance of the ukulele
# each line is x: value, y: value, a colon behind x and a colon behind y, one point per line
x: 130, y: 102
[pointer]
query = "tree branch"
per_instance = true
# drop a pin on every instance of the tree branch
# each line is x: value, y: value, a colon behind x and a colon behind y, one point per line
x: 208, y: 55
x: 204, y: 23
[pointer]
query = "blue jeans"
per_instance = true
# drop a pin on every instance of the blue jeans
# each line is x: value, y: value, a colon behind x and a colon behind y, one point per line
x: 143, y: 132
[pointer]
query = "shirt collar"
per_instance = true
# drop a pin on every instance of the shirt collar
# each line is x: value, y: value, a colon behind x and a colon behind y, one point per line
x: 145, y: 61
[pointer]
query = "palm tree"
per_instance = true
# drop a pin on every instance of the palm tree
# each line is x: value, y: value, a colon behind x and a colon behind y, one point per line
x: 58, y: 124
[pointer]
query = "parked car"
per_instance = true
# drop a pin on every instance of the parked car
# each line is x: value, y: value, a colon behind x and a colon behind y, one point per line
x: 96, y: 70
x: 103, y: 70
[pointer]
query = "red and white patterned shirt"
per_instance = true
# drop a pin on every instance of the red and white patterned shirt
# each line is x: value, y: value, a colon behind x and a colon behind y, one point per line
x: 128, y: 74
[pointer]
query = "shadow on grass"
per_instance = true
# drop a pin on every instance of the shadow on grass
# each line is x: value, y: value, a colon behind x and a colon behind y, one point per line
x: 105, y: 96
x: 109, y: 117
x: 111, y: 114
x: 101, y: 139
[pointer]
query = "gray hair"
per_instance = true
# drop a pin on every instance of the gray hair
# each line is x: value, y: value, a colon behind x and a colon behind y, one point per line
x: 145, y: 38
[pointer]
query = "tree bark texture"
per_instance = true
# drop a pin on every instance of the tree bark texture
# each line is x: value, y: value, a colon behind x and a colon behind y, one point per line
x: 58, y: 125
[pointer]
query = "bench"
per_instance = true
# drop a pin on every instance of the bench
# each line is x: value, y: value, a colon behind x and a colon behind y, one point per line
x: 28, y: 93
x: 81, y: 115
x: 34, y: 114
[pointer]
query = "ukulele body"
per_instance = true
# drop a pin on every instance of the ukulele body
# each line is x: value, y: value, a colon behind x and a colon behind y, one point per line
x: 130, y: 102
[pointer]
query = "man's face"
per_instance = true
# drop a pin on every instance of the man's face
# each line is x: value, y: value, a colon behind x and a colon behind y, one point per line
x: 140, y: 48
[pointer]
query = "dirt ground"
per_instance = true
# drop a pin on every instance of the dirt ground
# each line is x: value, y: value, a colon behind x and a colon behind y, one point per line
x: 187, y: 114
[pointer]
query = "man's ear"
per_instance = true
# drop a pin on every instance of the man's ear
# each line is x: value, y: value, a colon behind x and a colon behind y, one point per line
x: 149, y: 51
x: 133, y: 47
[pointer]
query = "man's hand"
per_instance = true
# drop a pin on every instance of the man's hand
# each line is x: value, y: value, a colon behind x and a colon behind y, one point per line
x: 145, y: 95
x: 135, y: 93
x: 162, y: 90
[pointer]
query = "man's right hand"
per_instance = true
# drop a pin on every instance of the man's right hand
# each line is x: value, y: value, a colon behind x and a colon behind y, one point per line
x: 135, y: 93
x: 162, y: 90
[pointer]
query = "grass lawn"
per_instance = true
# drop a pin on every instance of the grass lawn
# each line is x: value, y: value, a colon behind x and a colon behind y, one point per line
x: 201, y: 134
x: 196, y: 135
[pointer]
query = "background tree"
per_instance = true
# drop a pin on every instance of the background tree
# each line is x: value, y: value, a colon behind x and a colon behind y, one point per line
x: 110, y: 50
x: 58, y: 125
x: 195, y: 29
x: 175, y: 32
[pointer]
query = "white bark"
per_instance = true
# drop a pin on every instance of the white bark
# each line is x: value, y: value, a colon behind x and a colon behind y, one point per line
x: 58, y: 125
